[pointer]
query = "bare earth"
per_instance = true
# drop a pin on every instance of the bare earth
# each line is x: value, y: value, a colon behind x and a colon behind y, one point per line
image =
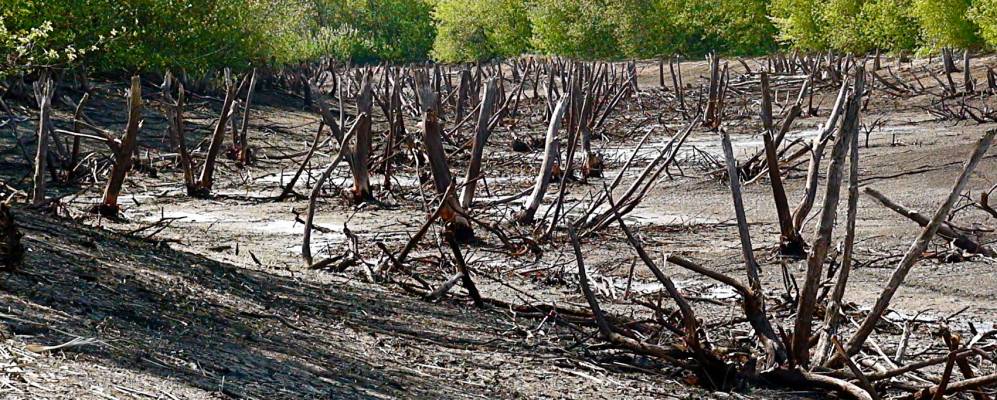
x: 205, y: 299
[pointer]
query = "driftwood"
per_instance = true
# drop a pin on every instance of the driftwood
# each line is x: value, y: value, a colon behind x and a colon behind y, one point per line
x: 944, y: 229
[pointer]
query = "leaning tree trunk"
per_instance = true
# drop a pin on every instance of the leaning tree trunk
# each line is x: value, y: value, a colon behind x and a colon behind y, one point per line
x: 123, y: 154
x: 913, y: 254
x: 457, y: 223
x: 807, y: 302
x: 242, y: 150
x: 481, y: 134
x: 44, y: 90
x: 206, y: 179
x: 546, y: 167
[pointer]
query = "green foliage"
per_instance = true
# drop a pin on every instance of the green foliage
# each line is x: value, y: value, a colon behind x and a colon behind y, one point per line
x: 114, y: 36
x: 890, y: 25
x: 800, y: 23
x: 376, y: 30
x: 573, y: 28
x: 474, y: 30
x: 945, y: 23
x: 984, y: 14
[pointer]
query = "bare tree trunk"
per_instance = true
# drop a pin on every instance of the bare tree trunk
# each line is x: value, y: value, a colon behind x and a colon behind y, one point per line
x: 807, y: 300
x: 916, y: 249
x: 44, y: 91
x: 754, y: 297
x: 243, y: 152
x: 481, y: 135
x: 306, y: 244
x: 967, y: 76
x: 176, y: 130
x: 831, y: 314
x: 551, y: 155
x: 205, y: 181
x: 360, y: 157
x: 123, y: 156
x: 453, y: 213
x: 816, y: 154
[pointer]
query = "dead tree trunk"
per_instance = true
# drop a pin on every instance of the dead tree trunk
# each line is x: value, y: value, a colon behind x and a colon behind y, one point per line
x: 44, y: 91
x: 754, y: 297
x: 916, y: 249
x: 790, y: 241
x: 807, y: 300
x: 817, y: 145
x: 240, y: 145
x: 457, y: 223
x: 831, y: 314
x: 360, y: 156
x: 176, y: 130
x: 945, y: 230
x: 123, y: 155
x: 967, y: 76
x: 206, y: 179
x: 551, y: 154
x: 481, y: 134
x: 306, y: 244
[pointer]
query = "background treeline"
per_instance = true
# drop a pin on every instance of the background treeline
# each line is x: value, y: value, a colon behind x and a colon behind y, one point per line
x: 197, y: 35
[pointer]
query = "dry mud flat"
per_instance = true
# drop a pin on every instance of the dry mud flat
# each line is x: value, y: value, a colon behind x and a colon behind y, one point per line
x: 190, y: 298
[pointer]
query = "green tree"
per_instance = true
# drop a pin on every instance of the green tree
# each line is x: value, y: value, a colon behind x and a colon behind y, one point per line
x: 890, y: 25
x: 984, y: 14
x: 573, y: 28
x: 472, y: 30
x: 800, y: 23
x: 945, y: 23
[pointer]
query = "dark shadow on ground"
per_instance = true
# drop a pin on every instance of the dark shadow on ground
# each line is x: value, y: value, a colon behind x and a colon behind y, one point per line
x: 264, y: 335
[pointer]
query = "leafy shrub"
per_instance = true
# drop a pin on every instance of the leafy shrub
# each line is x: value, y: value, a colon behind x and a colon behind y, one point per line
x: 984, y: 14
x: 945, y: 23
x: 480, y: 30
x: 573, y: 28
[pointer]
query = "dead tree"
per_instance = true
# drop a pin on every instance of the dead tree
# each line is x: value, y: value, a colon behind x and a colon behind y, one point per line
x: 359, y: 157
x: 453, y: 213
x: 807, y: 301
x: 44, y: 91
x: 204, y: 183
x: 831, y: 313
x: 481, y: 134
x: 177, y: 129
x: 240, y: 143
x: 551, y: 154
x: 306, y: 244
x: 817, y: 145
x: 790, y: 241
x: 913, y: 254
x: 124, y: 152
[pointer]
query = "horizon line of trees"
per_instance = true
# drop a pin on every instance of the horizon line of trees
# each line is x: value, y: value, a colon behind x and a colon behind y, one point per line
x: 109, y: 36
